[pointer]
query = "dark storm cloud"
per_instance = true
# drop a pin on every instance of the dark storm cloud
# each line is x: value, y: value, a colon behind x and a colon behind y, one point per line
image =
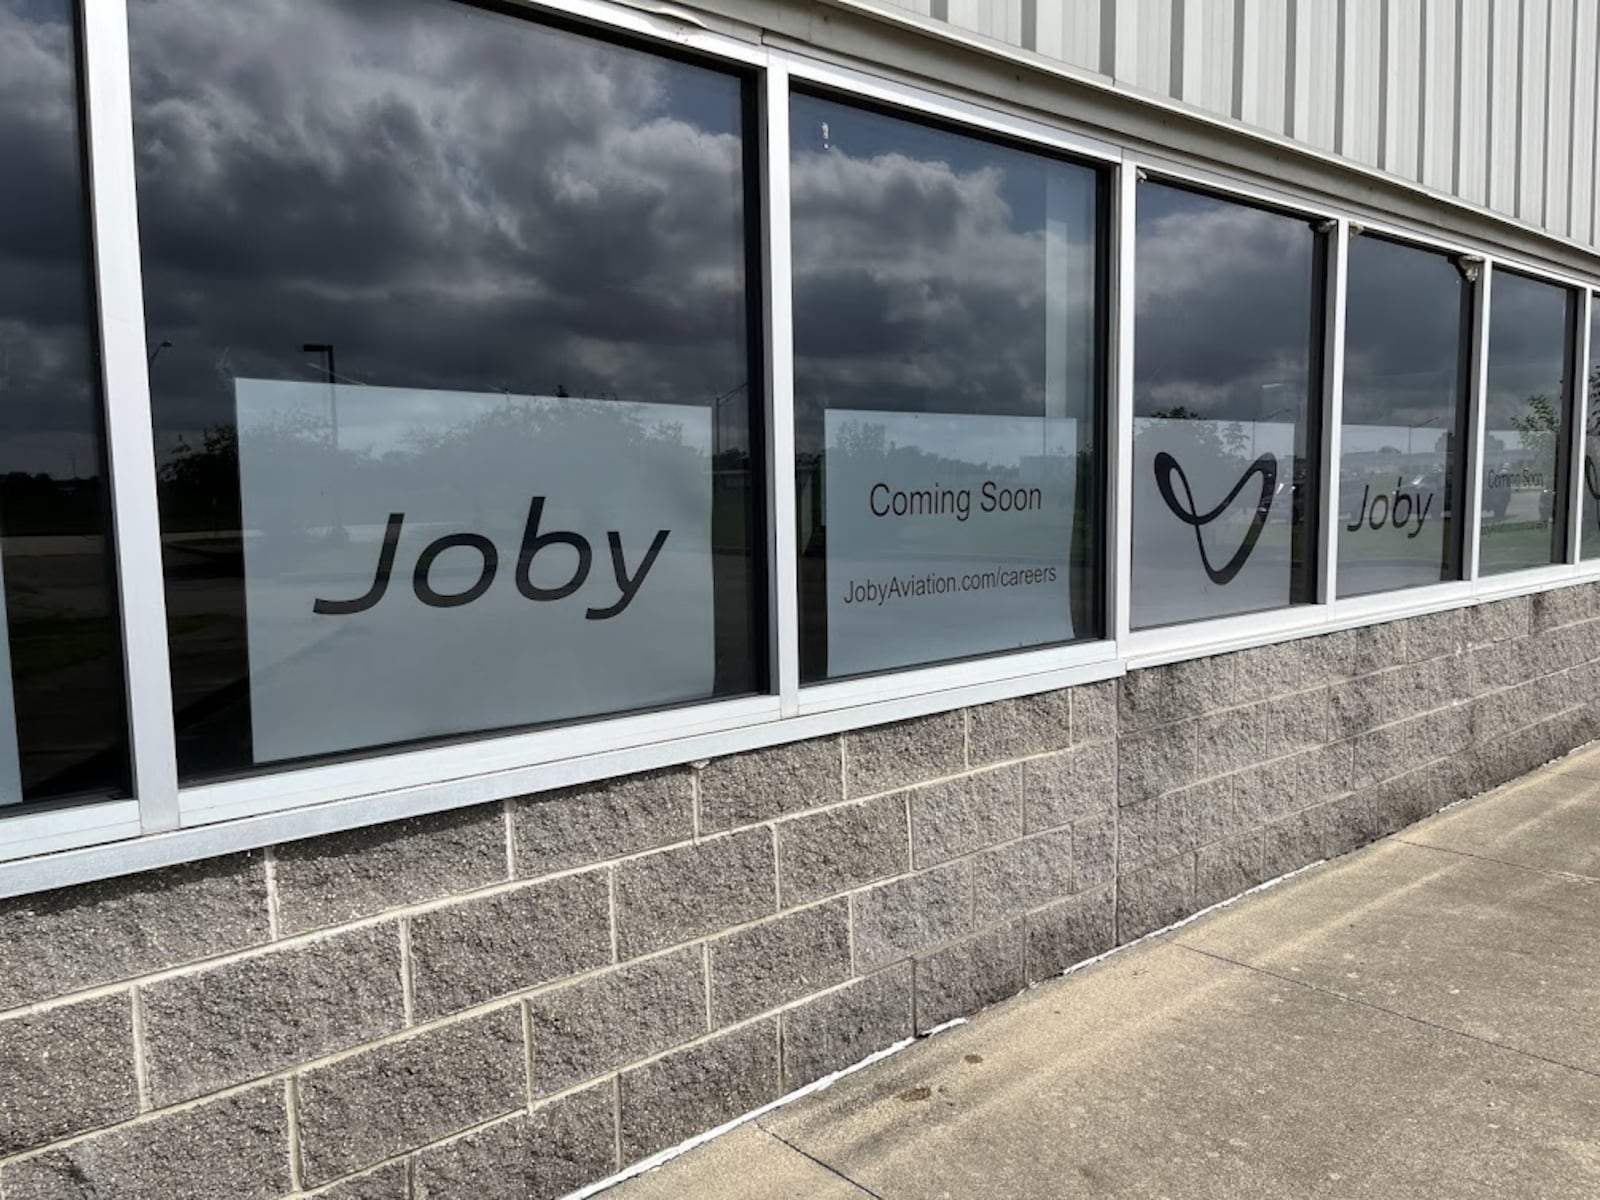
x: 454, y: 199
x: 47, y: 393
x: 916, y: 286
x: 1224, y: 304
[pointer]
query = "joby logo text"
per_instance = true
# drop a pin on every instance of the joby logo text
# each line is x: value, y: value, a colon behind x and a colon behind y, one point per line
x: 533, y: 543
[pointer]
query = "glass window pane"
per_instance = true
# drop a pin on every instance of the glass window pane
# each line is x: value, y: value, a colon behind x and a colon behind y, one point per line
x: 1524, y: 426
x: 1590, y: 495
x: 947, y: 392
x: 1227, y: 364
x: 62, y: 649
x: 1408, y: 325
x: 452, y: 373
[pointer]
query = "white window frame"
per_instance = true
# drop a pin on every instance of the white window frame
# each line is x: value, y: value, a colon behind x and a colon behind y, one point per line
x: 52, y: 845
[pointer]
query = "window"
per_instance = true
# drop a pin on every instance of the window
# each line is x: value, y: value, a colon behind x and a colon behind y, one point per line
x: 63, y: 726
x: 1589, y: 497
x: 453, y: 373
x: 1227, y: 367
x: 1524, y: 429
x: 1408, y: 341
x: 948, y: 392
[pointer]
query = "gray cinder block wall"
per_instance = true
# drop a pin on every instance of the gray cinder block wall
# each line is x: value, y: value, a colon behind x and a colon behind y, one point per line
x: 516, y: 999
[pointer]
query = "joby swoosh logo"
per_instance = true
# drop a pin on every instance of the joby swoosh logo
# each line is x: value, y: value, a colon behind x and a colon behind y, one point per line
x: 1167, y: 468
x: 1591, y: 481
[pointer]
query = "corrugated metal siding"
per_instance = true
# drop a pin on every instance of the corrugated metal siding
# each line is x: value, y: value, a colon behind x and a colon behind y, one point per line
x: 1493, y: 100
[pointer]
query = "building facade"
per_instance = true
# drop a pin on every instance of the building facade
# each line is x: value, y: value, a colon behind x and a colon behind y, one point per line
x: 571, y: 569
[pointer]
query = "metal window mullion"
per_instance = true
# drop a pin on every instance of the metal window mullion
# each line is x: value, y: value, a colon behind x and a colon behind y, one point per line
x: 1120, y: 490
x: 1333, y: 415
x: 1473, y: 507
x: 782, y: 534
x: 136, y: 523
x: 1577, y: 413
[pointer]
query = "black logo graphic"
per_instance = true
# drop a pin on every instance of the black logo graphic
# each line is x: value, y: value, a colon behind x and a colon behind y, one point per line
x: 1591, y: 481
x: 1266, y: 466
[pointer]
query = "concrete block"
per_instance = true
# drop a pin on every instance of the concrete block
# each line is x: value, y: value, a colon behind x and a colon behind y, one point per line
x: 1564, y: 605
x: 1324, y: 772
x: 1436, y: 635
x: 743, y: 789
x: 1154, y: 897
x: 343, y: 876
x: 236, y: 1148
x: 1174, y: 692
x: 698, y: 1088
x: 961, y: 815
x: 1265, y: 793
x: 1213, y: 813
x: 594, y: 1026
x: 1361, y: 705
x: 539, y: 1156
x: 1060, y: 788
x: 906, y: 752
x: 779, y: 960
x: 1226, y: 868
x: 1501, y: 665
x: 1293, y: 723
x: 1498, y: 621
x: 1094, y: 851
x: 841, y: 1028
x: 1094, y: 712
x: 54, y: 943
x: 1350, y: 824
x: 684, y: 893
x: 972, y: 974
x: 1017, y: 728
x: 389, y: 1182
x: 1154, y: 763
x: 1295, y: 841
x: 1232, y: 739
x: 1156, y: 830
x: 402, y: 1095
x: 66, y: 1071
x: 216, y: 1028
x: 1068, y: 933
x: 576, y: 826
x: 1284, y: 668
x: 496, y: 945
x: 1367, y: 649
x: 895, y: 920
x: 825, y: 853
x: 1013, y: 878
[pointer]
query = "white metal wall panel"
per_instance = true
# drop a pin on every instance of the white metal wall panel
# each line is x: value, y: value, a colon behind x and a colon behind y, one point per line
x: 1402, y: 88
x: 1001, y: 19
x: 1438, y: 149
x: 1144, y: 44
x: 1069, y: 30
x: 1534, y: 54
x: 1316, y: 74
x: 1208, y: 55
x: 1557, y: 215
x: 1472, y: 101
x: 1264, y: 63
x: 1496, y: 101
x: 1360, y: 131
x: 1505, y: 84
x: 1586, y: 28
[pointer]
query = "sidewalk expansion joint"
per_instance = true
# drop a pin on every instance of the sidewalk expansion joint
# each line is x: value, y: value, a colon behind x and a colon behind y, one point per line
x: 1571, y: 876
x: 1367, y: 1004
x: 829, y: 1168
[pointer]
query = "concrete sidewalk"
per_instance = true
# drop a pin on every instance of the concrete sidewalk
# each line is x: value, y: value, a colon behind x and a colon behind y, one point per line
x: 1418, y: 1019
